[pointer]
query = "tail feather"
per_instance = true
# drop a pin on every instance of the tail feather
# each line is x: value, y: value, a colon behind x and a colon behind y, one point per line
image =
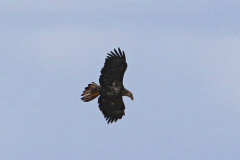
x: 91, y: 92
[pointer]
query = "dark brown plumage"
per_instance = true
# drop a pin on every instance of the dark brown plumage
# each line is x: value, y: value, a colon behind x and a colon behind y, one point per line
x: 111, y: 87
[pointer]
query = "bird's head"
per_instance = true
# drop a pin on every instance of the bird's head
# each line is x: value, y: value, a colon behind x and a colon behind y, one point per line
x: 126, y: 92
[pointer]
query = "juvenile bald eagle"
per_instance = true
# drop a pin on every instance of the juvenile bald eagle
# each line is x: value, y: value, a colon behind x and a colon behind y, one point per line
x: 111, y: 87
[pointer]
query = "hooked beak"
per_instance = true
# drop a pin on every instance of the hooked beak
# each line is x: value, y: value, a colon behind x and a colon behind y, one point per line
x: 131, y: 96
x: 127, y: 93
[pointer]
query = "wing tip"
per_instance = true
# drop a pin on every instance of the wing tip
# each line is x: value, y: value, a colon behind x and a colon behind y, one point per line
x: 111, y: 120
x: 116, y: 53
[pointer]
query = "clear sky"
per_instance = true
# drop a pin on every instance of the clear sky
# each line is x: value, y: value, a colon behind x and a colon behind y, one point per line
x: 183, y: 70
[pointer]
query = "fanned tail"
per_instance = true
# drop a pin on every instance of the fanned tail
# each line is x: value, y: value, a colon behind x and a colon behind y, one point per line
x: 91, y: 92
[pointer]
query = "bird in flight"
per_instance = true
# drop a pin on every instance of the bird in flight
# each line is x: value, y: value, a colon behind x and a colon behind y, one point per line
x: 111, y: 89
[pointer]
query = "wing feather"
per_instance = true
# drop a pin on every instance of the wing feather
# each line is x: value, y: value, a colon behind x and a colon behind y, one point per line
x: 113, y: 54
x: 116, y: 53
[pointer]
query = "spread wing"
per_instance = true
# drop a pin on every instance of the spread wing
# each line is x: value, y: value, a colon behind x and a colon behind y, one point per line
x: 111, y: 80
x: 114, y: 68
x: 111, y: 107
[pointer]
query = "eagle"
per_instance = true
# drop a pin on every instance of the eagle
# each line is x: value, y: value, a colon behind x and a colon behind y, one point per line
x: 111, y: 89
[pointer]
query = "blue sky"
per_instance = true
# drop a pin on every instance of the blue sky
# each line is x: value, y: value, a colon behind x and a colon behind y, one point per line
x: 183, y: 70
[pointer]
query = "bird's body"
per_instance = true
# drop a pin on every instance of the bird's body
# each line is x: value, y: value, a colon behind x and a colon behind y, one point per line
x: 111, y: 87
